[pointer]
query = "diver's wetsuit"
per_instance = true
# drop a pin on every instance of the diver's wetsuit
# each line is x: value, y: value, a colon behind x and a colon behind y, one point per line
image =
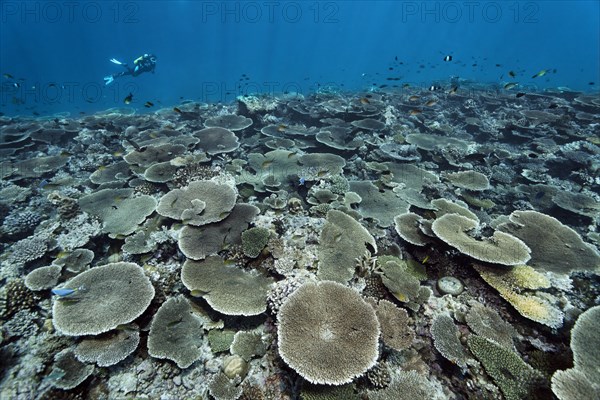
x: 145, y: 63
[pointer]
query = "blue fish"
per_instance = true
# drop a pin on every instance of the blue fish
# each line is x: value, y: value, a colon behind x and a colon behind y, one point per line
x: 301, y: 181
x: 63, y: 292
x: 43, y: 183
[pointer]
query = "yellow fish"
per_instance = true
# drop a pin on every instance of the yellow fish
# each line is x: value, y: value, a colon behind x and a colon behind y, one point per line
x: 266, y: 164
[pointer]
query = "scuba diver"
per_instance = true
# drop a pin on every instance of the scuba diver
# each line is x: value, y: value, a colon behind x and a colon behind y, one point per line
x: 145, y: 63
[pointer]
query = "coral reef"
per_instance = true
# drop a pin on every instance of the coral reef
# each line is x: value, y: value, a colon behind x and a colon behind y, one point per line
x: 382, y: 244
x: 327, y: 333
x: 103, y: 298
x: 446, y: 340
x: 254, y: 241
x: 395, y: 329
x: 501, y: 248
x: 581, y: 381
x: 109, y: 349
x: 228, y: 289
x: 514, y: 377
x: 173, y: 333
x: 342, y: 240
x: 20, y: 223
x: 27, y: 250
x: 67, y: 371
x: 200, y: 203
x: 43, y: 277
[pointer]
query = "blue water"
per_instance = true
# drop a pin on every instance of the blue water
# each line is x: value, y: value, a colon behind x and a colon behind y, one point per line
x: 61, y: 50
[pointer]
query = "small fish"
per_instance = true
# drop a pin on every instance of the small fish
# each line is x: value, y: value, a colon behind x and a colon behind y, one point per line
x: 62, y: 292
x: 540, y: 74
x: 175, y: 322
x: 128, y: 99
x: 148, y: 104
x: 198, y: 293
x: 415, y: 112
x: 510, y: 85
x: 413, y: 98
x: 266, y: 164
x: 512, y: 74
x: 405, y: 85
x: 43, y: 183
x: 448, y: 58
x: 433, y: 88
x: 520, y: 94
x: 134, y: 144
x: 431, y: 103
x: 18, y: 85
x: 539, y: 195
x: 8, y: 76
x: 62, y: 254
x: 364, y: 100
x: 321, y: 174
x: 68, y: 300
x: 177, y: 110
x: 591, y: 83
x: 453, y: 90
x: 425, y: 260
x: 126, y: 327
x: 400, y: 296
x: 56, y: 374
x: 301, y: 181
x: 281, y: 128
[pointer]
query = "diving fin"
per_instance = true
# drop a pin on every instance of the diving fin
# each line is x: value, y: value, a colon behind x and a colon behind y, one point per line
x: 115, y: 61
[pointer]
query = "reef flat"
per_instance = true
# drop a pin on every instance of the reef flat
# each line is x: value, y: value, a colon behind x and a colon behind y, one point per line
x: 384, y: 245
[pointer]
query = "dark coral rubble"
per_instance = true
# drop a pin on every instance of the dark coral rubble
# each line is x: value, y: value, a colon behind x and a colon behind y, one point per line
x: 328, y: 246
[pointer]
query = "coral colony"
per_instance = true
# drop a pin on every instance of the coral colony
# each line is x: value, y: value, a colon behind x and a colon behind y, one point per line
x: 333, y: 246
